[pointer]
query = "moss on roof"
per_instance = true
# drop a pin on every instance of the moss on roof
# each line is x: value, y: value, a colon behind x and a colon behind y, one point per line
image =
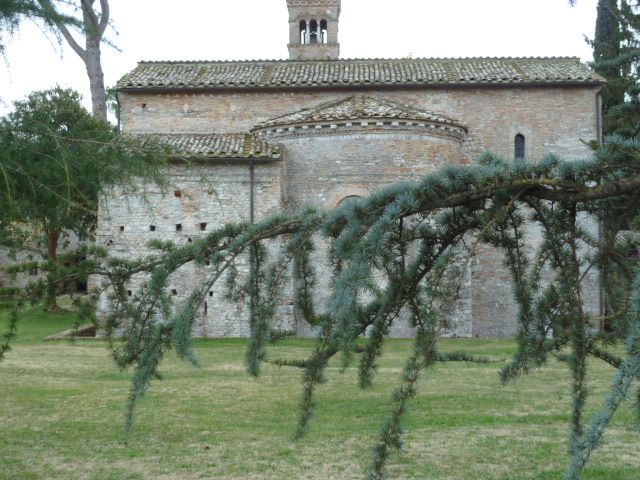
x: 220, y: 146
x: 278, y: 74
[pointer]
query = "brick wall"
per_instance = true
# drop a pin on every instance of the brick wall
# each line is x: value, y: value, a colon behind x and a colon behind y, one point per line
x: 321, y: 169
x: 552, y: 119
x: 213, y: 194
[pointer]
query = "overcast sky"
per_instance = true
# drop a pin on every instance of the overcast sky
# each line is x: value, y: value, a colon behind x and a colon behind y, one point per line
x: 258, y: 29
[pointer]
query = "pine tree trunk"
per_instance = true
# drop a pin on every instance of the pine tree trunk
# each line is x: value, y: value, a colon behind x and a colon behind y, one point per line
x: 51, y: 299
x: 96, y: 78
x: 93, y: 38
x: 94, y: 25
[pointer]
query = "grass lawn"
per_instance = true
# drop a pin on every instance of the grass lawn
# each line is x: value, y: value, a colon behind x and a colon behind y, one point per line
x: 62, y: 411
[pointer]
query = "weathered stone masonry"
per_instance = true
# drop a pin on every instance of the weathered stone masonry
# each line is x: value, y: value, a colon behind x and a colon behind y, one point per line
x: 318, y: 131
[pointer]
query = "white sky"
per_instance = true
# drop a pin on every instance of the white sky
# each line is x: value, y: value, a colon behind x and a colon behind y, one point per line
x: 258, y: 29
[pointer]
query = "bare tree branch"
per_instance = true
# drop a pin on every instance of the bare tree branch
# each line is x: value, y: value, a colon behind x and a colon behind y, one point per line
x: 104, y: 20
x: 46, y: 4
x: 93, y: 26
x: 87, y: 9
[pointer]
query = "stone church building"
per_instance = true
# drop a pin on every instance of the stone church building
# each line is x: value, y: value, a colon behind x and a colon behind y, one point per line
x: 266, y: 136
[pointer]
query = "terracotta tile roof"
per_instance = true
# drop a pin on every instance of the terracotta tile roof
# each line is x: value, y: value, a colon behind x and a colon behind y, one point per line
x: 359, y: 108
x: 220, y: 146
x: 274, y: 74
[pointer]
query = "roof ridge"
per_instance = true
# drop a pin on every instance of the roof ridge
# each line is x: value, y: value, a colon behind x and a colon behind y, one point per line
x: 355, y: 59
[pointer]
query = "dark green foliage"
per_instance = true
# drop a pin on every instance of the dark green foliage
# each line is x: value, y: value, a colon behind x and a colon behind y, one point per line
x: 616, y: 52
x: 607, y: 46
x: 56, y: 161
x: 10, y: 333
x: 404, y: 251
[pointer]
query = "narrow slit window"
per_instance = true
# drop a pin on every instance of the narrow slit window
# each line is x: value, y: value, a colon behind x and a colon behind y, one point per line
x: 313, y: 31
x: 324, y: 32
x: 303, y: 32
x: 178, y: 227
x: 206, y: 308
x: 519, y: 146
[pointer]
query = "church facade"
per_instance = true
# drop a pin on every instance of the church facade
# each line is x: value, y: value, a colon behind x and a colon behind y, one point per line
x: 267, y: 136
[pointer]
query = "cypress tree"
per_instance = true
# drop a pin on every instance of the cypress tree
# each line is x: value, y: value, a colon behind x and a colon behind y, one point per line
x: 606, y: 48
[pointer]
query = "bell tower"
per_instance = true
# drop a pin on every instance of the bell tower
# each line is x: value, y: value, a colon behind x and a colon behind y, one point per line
x: 313, y: 29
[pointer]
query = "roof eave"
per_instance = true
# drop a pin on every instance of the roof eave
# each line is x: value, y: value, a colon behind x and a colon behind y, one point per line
x: 364, y: 86
x: 221, y: 159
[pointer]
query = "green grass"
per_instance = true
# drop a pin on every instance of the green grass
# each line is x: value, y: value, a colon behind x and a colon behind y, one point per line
x: 62, y: 413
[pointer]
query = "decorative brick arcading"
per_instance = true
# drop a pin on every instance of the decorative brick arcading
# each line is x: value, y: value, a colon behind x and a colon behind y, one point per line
x: 359, y: 112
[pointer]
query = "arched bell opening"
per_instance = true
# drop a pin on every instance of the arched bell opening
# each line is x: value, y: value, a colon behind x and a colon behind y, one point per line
x: 313, y: 32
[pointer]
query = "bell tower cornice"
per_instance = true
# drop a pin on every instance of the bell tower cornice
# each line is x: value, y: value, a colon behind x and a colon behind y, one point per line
x: 306, y: 3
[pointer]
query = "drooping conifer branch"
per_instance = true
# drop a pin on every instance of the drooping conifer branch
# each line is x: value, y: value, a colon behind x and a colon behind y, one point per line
x: 627, y: 373
x: 400, y: 254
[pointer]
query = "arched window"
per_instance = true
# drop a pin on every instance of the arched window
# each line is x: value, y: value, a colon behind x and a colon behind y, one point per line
x: 313, y: 31
x: 324, y: 33
x: 519, y: 147
x: 303, y: 32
